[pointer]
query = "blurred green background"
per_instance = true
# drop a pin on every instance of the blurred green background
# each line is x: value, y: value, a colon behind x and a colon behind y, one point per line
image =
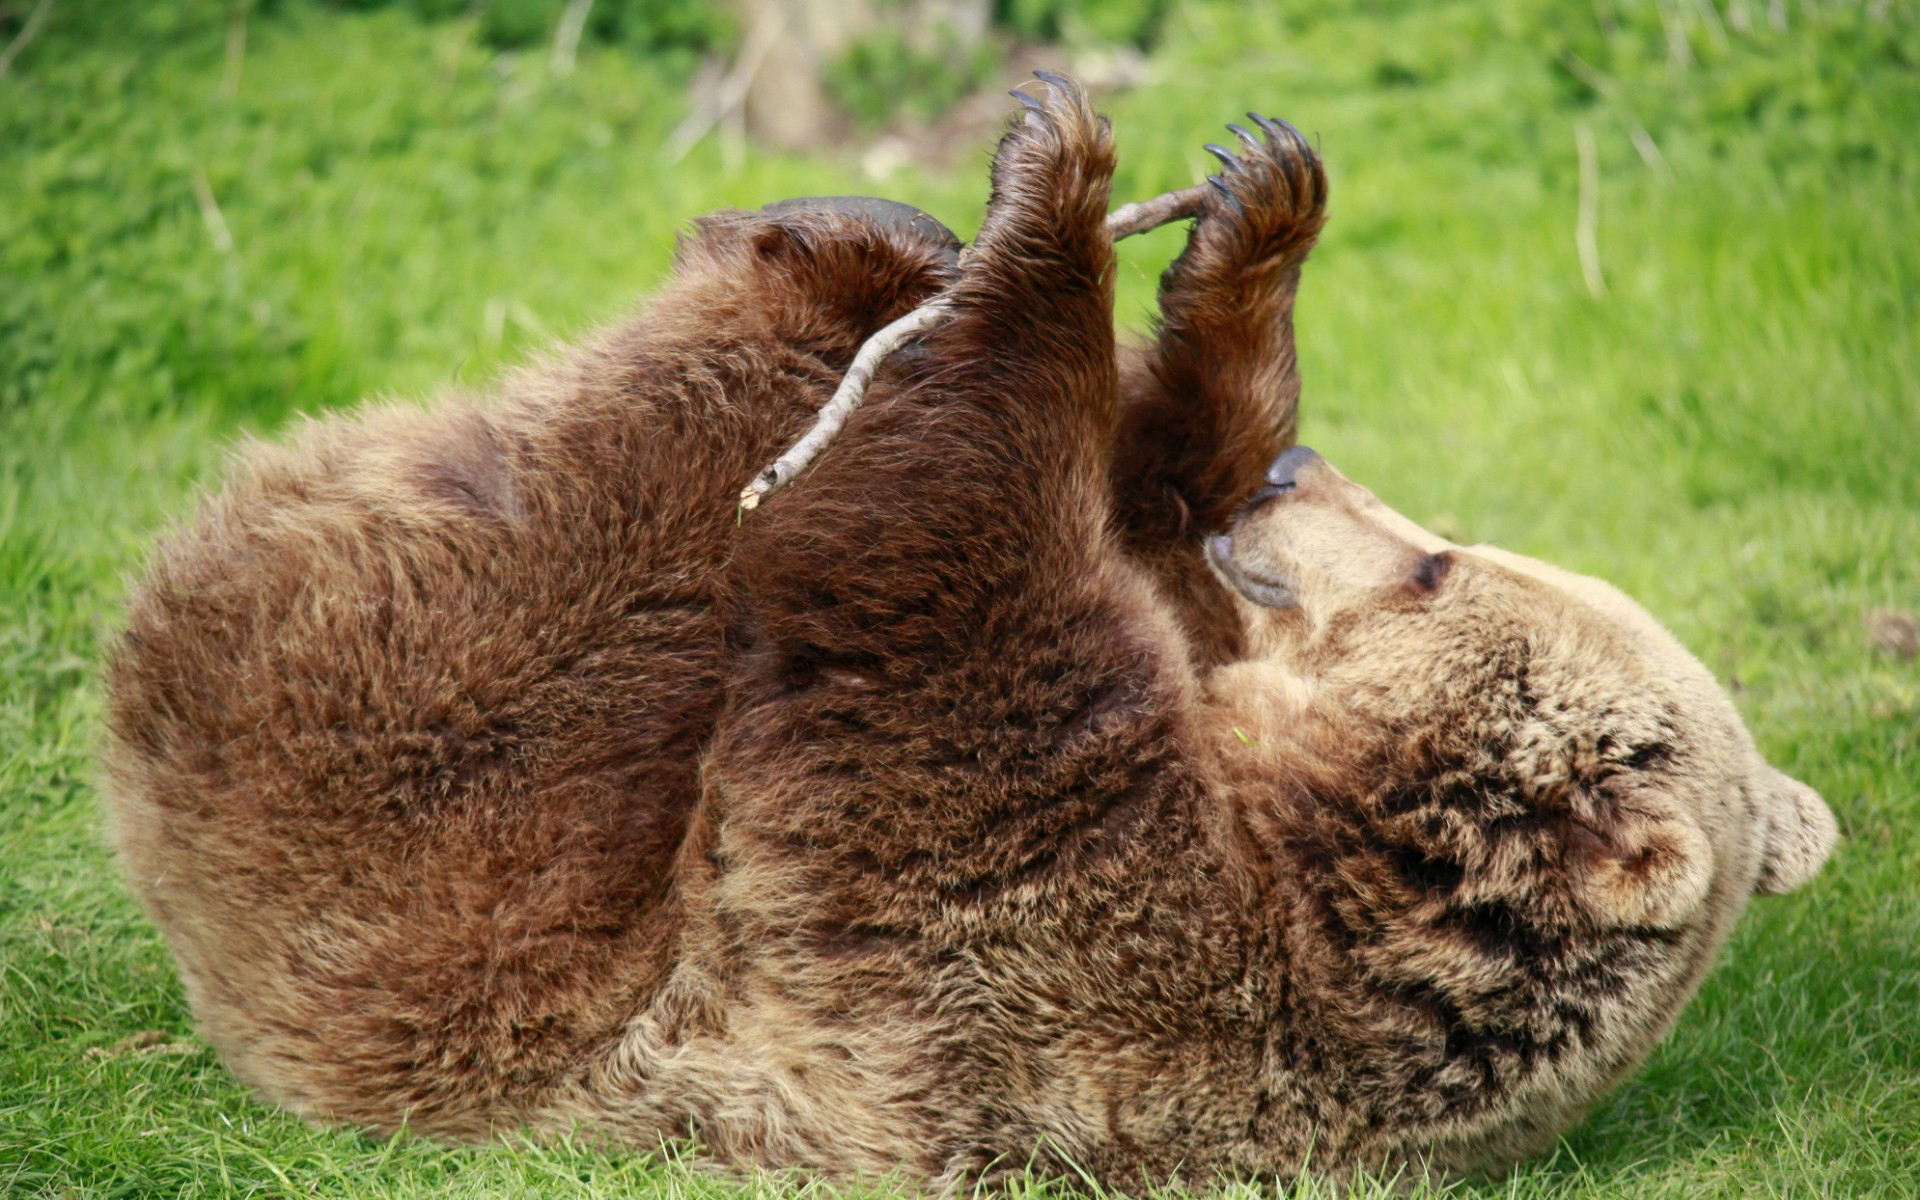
x: 217, y: 216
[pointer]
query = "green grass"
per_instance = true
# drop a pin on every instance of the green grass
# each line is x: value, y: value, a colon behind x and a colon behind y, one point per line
x: 1732, y: 433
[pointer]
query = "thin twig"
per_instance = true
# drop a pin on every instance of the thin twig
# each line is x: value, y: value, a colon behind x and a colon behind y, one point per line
x: 1649, y: 152
x: 210, y: 213
x: 566, y: 38
x: 733, y: 141
x: 1608, y: 89
x: 27, y: 33
x: 1585, y: 237
x: 1710, y: 17
x: 1679, y: 50
x: 846, y: 398
x: 731, y: 92
x: 236, y: 53
x: 1122, y: 222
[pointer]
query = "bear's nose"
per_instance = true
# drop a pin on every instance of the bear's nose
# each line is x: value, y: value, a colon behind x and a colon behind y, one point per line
x: 1280, y: 476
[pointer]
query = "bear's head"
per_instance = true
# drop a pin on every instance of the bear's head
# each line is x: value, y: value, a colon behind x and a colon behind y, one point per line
x: 1531, y: 733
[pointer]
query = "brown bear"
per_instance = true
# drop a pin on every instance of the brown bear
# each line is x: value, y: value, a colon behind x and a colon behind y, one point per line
x: 1043, y: 778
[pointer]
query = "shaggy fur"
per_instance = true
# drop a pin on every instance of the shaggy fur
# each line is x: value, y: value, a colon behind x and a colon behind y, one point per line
x: 965, y: 803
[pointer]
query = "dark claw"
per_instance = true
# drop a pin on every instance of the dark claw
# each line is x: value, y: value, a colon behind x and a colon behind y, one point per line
x: 1275, y: 129
x: 1220, y: 185
x: 1246, y: 138
x: 1028, y: 102
x: 1226, y: 158
x: 1054, y: 79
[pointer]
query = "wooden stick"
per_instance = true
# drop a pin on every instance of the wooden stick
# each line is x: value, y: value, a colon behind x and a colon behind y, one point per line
x: 1122, y: 222
x: 1130, y: 219
x: 846, y: 398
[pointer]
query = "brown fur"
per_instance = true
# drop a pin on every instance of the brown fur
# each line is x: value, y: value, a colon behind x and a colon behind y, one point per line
x: 482, y: 772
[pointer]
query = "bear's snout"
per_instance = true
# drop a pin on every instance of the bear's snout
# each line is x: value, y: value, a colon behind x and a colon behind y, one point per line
x: 1285, y: 469
x: 1282, y: 477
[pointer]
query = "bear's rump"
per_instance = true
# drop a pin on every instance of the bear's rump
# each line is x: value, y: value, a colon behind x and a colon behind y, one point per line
x: 401, y: 776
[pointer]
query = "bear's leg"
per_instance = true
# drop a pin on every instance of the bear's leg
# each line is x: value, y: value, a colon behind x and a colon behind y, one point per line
x: 934, y: 626
x: 1210, y: 403
x: 983, y: 449
x: 952, y: 771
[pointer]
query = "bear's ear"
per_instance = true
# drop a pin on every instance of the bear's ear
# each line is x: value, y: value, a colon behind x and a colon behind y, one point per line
x: 1800, y: 832
x: 1651, y: 867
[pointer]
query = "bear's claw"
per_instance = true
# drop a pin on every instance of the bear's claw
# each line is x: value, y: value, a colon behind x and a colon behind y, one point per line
x: 1051, y: 177
x: 1276, y: 128
x: 1226, y: 193
x: 1226, y: 158
x: 1064, y: 90
x: 1271, y: 194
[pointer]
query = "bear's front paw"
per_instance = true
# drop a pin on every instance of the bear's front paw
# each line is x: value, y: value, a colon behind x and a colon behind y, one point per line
x: 1266, y: 206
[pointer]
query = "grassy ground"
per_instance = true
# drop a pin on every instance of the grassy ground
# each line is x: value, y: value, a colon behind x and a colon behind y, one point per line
x: 208, y: 225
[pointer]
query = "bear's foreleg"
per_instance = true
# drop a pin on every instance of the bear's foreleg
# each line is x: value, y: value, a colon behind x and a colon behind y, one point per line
x: 1210, y: 403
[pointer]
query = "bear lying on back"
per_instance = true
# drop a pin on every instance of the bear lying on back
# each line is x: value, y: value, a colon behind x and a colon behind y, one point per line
x: 1044, y: 773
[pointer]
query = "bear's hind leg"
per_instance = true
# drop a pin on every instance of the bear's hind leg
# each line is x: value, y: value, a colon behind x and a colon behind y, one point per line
x: 942, y: 579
